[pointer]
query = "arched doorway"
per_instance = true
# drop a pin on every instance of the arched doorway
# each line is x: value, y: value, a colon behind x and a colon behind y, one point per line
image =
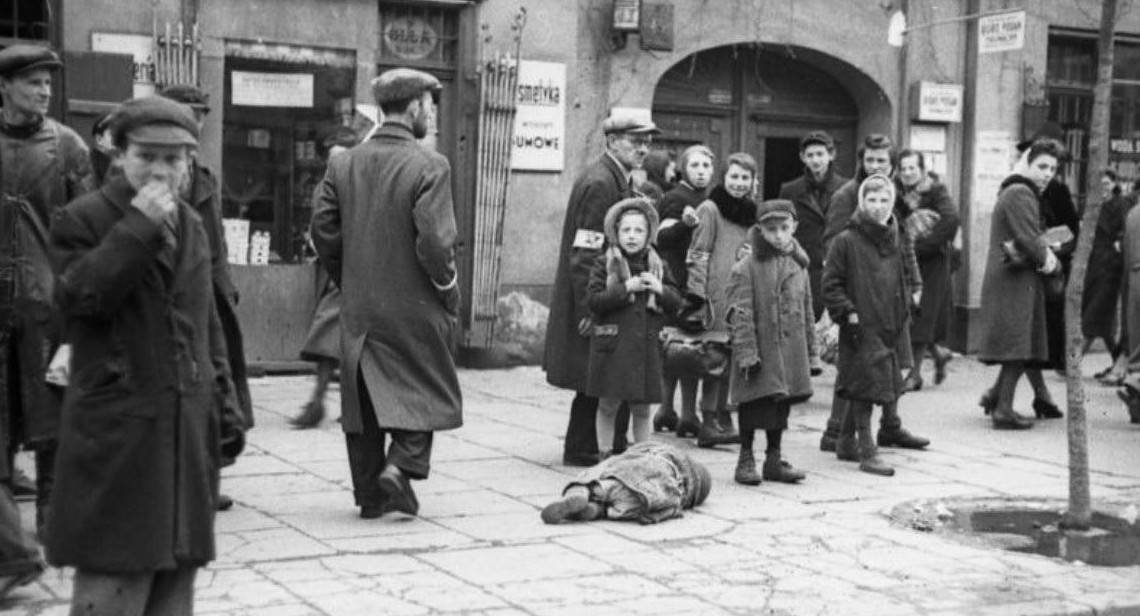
x: 758, y: 99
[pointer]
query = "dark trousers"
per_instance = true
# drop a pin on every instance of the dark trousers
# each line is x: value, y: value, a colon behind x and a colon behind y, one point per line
x: 582, y: 432
x: 18, y: 551
x: 410, y: 451
x: 889, y: 420
x: 152, y: 593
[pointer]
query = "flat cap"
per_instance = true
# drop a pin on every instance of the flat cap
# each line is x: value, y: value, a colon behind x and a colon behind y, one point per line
x: 187, y: 94
x: 401, y: 84
x: 817, y: 137
x: 154, y: 120
x: 775, y: 208
x: 20, y: 58
x: 636, y: 120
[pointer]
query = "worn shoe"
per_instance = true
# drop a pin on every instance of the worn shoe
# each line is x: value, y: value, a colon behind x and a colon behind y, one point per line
x: 398, y: 491
x: 1046, y: 410
x: 899, y: 437
x: 665, y: 419
x: 942, y: 356
x: 570, y: 507
x: 687, y: 428
x: 311, y: 416
x: 724, y: 418
x: 746, y: 469
x: 912, y: 382
x: 371, y: 512
x: 988, y: 402
x: 1010, y: 420
x: 580, y: 459
x: 8, y: 583
x: 224, y: 503
x: 776, y: 469
x: 711, y: 433
x: 847, y: 449
x: 875, y: 466
x: 827, y: 441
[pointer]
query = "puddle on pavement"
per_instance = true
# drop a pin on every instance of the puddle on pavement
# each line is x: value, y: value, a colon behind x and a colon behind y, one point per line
x: 1111, y: 542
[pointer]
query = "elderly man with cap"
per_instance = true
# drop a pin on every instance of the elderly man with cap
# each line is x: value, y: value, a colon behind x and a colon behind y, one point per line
x: 628, y: 134
x: 384, y: 228
x: 137, y: 467
x: 203, y: 193
x: 43, y: 165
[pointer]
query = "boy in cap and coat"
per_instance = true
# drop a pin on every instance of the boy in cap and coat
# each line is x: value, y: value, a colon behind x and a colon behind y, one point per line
x: 384, y: 228
x: 566, y: 357
x: 137, y: 468
x: 43, y: 165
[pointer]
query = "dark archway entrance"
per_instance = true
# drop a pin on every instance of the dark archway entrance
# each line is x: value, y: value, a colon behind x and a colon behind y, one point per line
x: 758, y: 99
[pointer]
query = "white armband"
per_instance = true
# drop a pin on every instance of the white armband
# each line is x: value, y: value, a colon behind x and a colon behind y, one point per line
x: 589, y: 239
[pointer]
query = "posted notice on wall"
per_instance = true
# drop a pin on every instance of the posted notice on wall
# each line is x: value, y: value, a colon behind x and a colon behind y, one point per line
x: 993, y: 162
x: 140, y: 47
x: 1005, y: 32
x: 272, y: 89
x: 540, y: 122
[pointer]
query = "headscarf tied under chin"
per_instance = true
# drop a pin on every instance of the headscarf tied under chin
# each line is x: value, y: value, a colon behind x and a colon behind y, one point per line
x: 617, y: 266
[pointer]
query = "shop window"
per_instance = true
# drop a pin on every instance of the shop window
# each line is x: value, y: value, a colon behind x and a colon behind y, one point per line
x: 418, y: 36
x: 24, y: 19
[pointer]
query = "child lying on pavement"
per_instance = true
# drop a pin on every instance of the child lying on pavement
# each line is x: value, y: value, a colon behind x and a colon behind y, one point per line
x: 650, y: 482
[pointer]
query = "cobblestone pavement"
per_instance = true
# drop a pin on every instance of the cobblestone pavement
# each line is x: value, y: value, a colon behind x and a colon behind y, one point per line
x: 294, y: 545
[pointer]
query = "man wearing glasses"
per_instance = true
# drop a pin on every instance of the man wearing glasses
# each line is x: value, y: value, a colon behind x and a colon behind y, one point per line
x: 628, y: 133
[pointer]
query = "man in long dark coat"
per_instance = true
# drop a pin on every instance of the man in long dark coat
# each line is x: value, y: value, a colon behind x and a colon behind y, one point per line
x: 566, y: 358
x: 384, y: 228
x: 137, y: 468
x: 43, y: 164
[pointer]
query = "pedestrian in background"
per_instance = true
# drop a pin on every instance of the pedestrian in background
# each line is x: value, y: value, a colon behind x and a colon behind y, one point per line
x: 384, y: 228
x: 773, y: 339
x: 719, y: 241
x: 566, y: 356
x: 43, y: 165
x: 812, y: 193
x: 1101, y: 300
x: 1014, y: 330
x: 137, y: 469
x: 660, y: 170
x: 678, y: 209
x: 870, y: 285
x: 631, y: 292
x: 932, y: 225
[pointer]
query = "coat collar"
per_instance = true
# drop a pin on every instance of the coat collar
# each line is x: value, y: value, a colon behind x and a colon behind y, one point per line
x: 394, y: 130
x: 617, y: 171
x: 762, y: 250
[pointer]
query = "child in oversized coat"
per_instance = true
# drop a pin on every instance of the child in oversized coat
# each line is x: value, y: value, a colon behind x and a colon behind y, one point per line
x: 870, y: 287
x: 773, y: 338
x: 630, y: 295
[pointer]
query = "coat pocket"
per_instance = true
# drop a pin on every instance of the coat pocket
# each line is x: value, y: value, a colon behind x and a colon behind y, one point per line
x: 605, y: 337
x: 108, y: 387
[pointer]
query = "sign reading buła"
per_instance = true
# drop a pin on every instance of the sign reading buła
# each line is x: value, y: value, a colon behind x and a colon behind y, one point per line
x: 540, y: 122
x: 1005, y: 32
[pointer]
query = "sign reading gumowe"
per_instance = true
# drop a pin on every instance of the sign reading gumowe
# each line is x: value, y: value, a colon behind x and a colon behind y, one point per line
x: 540, y: 120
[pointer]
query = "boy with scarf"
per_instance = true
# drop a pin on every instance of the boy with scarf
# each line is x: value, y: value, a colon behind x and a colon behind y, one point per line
x: 773, y: 338
x: 629, y: 295
x: 870, y: 285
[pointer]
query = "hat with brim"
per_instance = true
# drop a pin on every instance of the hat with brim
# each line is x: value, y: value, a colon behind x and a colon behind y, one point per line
x: 773, y: 209
x: 634, y: 121
x: 154, y: 120
x: 187, y: 94
x: 401, y: 84
x: 23, y: 58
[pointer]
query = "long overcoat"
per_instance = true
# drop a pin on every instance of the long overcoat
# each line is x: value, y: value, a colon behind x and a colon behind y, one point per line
x: 137, y: 466
x: 1105, y: 272
x: 1130, y: 291
x: 567, y: 354
x: 384, y: 228
x: 42, y: 166
x: 1012, y: 322
x: 812, y: 199
x: 718, y: 243
x: 206, y: 201
x: 933, y: 253
x: 866, y: 274
x: 770, y: 313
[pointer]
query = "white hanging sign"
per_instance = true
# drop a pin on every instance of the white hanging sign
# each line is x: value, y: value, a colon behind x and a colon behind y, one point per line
x: 141, y: 49
x: 540, y: 121
x: 1005, y: 32
x: 272, y: 89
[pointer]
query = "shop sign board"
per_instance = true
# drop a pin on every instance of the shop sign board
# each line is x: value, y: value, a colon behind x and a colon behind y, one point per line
x: 540, y: 120
x: 251, y: 89
x: 138, y: 46
x: 410, y: 37
x: 939, y: 102
x: 627, y: 15
x: 1004, y: 32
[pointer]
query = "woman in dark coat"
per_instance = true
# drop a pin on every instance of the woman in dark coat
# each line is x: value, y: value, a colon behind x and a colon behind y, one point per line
x: 933, y: 229
x: 1106, y: 269
x: 1013, y: 321
x: 678, y: 212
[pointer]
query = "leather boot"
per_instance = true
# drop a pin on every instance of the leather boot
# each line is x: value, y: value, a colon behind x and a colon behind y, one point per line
x: 711, y: 433
x: 847, y: 449
x: 899, y: 437
x: 776, y: 469
x: 870, y: 462
x: 688, y: 428
x: 724, y: 418
x: 1008, y: 419
x: 746, y: 469
x: 827, y: 442
x: 665, y: 419
x: 310, y: 417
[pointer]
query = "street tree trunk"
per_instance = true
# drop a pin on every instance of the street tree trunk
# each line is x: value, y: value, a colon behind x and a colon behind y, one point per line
x: 1079, y: 515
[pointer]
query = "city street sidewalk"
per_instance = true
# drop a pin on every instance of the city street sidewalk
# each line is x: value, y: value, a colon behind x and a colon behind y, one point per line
x: 294, y: 545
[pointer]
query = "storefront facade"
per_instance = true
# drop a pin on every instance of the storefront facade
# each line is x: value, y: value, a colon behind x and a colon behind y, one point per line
x: 740, y: 75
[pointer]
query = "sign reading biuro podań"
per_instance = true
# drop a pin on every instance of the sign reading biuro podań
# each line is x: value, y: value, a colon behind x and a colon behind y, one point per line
x: 1004, y: 32
x: 540, y: 122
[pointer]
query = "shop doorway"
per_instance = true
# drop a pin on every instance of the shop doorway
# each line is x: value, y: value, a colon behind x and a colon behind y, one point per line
x: 755, y: 99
